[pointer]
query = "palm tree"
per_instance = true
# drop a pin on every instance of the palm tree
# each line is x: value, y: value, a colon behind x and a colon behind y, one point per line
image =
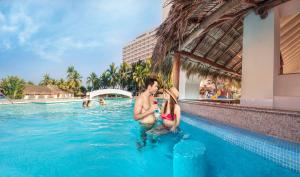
x: 104, y: 80
x: 47, y: 80
x: 113, y: 75
x: 124, y: 74
x: 62, y: 84
x: 165, y: 74
x: 93, y: 81
x: 70, y: 72
x: 12, y: 87
x: 74, y: 80
x: 147, y: 67
x: 139, y: 76
x: 165, y: 82
x: 29, y: 83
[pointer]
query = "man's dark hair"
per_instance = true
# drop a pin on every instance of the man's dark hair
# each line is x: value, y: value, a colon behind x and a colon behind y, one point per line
x: 150, y: 81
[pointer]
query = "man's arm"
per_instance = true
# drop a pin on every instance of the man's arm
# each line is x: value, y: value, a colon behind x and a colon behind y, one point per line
x: 138, y: 109
x: 162, y: 109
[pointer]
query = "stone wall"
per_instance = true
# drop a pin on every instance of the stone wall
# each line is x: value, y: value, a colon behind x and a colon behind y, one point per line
x: 277, y: 123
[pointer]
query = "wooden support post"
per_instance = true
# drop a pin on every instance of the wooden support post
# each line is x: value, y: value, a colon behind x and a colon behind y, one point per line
x: 176, y: 70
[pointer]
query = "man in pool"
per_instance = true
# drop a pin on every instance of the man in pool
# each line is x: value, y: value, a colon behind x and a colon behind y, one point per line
x: 145, y: 107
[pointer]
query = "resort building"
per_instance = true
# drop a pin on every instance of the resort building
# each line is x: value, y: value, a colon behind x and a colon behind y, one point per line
x: 255, y: 43
x: 44, y: 92
x: 140, y: 48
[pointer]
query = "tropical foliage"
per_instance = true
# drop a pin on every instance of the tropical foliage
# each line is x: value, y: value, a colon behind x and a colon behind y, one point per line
x: 124, y: 74
x: 128, y: 77
x: 12, y: 87
x: 93, y: 82
x: 47, y: 80
x: 62, y: 84
x: 165, y: 73
x: 71, y: 84
x: 104, y: 80
x: 74, y: 80
x: 113, y: 75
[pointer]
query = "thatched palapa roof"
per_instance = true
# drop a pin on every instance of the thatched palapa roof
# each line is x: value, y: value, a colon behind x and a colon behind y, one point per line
x: 208, y: 32
x: 42, y: 90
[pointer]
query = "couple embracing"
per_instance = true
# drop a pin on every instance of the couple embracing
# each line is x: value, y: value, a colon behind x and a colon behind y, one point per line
x: 146, y: 107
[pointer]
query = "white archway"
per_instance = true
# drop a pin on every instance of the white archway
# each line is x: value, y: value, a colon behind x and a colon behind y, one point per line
x: 110, y: 91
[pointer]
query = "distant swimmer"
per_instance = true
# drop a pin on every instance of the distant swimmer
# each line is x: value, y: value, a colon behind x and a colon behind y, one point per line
x: 86, y: 102
x: 102, y: 101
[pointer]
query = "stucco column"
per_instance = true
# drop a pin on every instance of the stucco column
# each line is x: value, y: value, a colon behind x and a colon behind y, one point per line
x: 188, y: 87
x: 182, y: 83
x: 176, y: 70
x: 261, y: 56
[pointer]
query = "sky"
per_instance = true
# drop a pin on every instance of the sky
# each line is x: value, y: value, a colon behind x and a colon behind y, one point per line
x: 47, y: 36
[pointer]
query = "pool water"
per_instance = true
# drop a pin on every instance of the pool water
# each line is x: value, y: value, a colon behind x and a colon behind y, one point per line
x: 64, y: 140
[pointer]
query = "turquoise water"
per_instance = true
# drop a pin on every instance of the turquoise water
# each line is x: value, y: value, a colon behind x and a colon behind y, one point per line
x: 64, y: 140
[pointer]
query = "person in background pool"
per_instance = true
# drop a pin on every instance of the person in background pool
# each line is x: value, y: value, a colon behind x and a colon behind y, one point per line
x: 145, y: 107
x: 102, y: 101
x: 86, y: 101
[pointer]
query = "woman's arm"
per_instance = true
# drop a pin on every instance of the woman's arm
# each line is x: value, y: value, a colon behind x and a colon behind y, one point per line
x: 177, y: 120
x: 178, y: 114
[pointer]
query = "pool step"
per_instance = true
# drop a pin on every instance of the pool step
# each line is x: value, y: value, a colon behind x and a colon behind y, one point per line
x: 189, y: 159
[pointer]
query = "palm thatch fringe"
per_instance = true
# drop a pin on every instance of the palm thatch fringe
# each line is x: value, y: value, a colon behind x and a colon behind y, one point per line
x: 203, y: 71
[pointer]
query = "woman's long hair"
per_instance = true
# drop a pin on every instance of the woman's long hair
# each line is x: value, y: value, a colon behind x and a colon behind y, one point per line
x: 172, y: 106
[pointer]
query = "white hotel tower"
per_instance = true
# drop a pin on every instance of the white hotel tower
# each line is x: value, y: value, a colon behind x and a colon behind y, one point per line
x: 141, y: 48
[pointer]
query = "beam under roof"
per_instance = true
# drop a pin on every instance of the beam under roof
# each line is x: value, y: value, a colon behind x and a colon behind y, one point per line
x: 207, y: 61
x: 237, y: 55
x: 237, y: 63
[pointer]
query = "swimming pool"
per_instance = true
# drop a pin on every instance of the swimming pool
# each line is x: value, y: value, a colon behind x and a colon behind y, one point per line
x: 63, y: 139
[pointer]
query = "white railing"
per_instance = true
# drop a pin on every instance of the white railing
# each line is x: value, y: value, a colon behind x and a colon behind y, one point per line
x: 110, y: 91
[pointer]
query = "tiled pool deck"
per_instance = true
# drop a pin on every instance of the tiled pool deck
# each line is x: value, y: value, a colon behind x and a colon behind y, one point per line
x: 284, y: 153
x: 277, y: 123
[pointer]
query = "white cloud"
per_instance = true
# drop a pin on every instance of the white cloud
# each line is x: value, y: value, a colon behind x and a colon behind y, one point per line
x: 6, y: 45
x: 9, y: 29
x: 70, y: 43
x: 25, y: 24
x: 55, y: 29
x: 2, y: 18
x: 55, y: 49
x: 17, y: 24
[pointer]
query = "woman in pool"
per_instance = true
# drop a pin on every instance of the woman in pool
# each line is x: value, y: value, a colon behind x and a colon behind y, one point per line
x: 170, y: 112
